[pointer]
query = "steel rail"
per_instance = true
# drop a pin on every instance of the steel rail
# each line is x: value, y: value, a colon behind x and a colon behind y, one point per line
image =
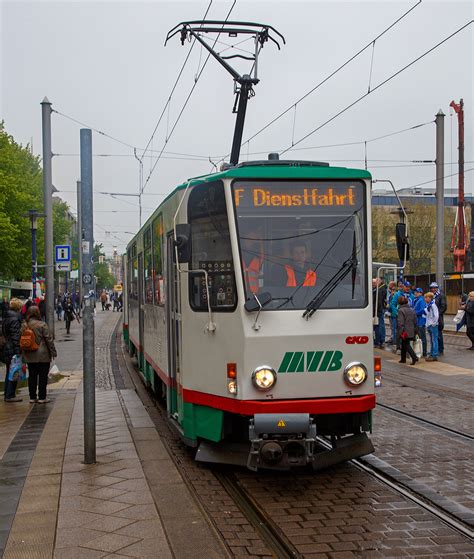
x: 430, y: 387
x: 442, y: 514
x: 431, y: 424
x: 276, y: 541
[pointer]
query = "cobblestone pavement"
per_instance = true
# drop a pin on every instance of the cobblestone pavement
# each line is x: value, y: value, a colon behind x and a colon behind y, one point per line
x: 440, y: 461
x: 444, y: 395
x: 454, y: 413
x: 103, y: 334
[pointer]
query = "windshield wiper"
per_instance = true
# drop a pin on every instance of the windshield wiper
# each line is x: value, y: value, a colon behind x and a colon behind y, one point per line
x: 347, y: 266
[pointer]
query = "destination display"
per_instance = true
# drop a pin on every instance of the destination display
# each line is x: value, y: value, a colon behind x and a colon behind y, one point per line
x: 298, y: 194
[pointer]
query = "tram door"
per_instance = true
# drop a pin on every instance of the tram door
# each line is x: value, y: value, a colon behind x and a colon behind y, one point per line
x: 141, y: 317
x: 173, y: 314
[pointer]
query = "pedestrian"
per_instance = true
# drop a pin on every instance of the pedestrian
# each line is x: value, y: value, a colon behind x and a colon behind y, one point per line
x: 116, y: 302
x: 42, y: 308
x: 406, y: 329
x: 69, y: 315
x: 394, y: 315
x: 379, y: 294
x: 432, y: 317
x: 120, y: 302
x: 468, y: 308
x: 103, y: 299
x: 390, y: 292
x: 39, y: 360
x: 5, y: 307
x: 11, y: 328
x: 408, y: 293
x: 419, y: 308
x: 25, y: 307
x: 441, y: 303
x: 59, y: 307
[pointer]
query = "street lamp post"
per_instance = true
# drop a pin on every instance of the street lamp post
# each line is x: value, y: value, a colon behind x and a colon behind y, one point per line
x: 33, y: 215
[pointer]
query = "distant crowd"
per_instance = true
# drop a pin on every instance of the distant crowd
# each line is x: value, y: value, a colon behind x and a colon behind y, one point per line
x: 112, y: 299
x: 415, y: 315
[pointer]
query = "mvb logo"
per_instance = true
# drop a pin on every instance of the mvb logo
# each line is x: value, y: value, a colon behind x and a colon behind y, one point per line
x: 311, y: 361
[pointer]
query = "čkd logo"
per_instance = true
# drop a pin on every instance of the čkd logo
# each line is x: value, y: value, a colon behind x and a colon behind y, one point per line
x: 311, y: 361
x: 357, y: 339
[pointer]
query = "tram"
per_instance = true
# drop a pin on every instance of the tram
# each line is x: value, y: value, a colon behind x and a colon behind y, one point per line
x: 247, y: 304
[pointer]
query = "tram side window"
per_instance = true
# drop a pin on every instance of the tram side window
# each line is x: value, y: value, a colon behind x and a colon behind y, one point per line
x: 148, y: 266
x: 158, y: 282
x: 210, y: 249
x: 132, y: 272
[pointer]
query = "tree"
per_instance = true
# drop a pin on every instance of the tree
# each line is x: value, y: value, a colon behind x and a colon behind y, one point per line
x: 105, y: 280
x: 21, y: 180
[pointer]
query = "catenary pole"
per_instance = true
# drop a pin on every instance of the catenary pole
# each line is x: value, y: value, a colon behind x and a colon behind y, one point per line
x: 440, y: 198
x: 48, y: 210
x: 87, y: 246
x: 79, y: 242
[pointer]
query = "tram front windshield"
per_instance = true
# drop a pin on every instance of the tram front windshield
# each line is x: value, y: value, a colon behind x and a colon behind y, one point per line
x: 294, y: 238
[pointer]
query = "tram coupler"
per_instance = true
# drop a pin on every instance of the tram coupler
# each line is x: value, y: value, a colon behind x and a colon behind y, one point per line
x: 343, y: 449
x: 281, y: 441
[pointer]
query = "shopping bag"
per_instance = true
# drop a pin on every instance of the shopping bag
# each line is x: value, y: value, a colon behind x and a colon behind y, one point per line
x: 418, y: 347
x: 17, y: 370
x: 53, y: 371
x: 459, y: 317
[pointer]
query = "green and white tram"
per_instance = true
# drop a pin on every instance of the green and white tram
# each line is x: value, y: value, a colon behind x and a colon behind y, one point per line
x: 247, y: 304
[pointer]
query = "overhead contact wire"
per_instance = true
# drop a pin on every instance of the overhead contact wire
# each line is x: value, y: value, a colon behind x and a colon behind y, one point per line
x: 327, y: 78
x: 183, y: 107
x: 398, y: 72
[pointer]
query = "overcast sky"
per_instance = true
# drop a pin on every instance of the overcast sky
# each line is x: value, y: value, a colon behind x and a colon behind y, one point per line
x: 104, y: 64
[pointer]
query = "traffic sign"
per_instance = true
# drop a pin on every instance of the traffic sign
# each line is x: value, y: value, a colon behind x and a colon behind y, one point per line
x: 86, y: 279
x: 63, y: 253
x: 63, y: 266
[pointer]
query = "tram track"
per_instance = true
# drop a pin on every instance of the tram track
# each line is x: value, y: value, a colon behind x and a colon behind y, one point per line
x: 275, y: 539
x: 366, y: 464
x: 427, y: 423
x: 441, y: 513
x: 407, y: 380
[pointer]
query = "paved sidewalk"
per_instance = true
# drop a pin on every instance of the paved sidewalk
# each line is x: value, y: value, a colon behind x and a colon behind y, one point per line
x: 53, y: 505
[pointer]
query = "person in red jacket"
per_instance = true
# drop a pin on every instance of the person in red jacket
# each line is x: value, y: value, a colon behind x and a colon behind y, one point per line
x: 252, y: 260
x: 299, y: 272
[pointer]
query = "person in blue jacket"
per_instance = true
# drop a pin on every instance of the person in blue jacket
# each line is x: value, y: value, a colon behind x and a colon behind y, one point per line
x: 408, y: 293
x: 419, y: 306
x: 394, y: 314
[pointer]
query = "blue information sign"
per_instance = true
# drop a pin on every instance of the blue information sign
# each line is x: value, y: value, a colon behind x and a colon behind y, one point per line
x: 63, y: 253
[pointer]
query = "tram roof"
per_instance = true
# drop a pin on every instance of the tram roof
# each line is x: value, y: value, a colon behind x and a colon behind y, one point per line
x: 279, y: 170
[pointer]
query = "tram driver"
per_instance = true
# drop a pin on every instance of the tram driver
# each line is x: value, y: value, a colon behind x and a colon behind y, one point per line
x: 298, y: 272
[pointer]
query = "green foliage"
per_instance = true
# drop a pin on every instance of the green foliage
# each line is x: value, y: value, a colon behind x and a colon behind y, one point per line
x: 21, y: 190
x: 101, y: 269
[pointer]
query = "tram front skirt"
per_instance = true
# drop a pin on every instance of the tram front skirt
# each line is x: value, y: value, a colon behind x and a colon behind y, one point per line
x: 283, y: 442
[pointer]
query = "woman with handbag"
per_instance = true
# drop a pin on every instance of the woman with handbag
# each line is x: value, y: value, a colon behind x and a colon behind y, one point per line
x: 11, y: 330
x: 406, y: 330
x: 40, y: 355
x: 468, y: 308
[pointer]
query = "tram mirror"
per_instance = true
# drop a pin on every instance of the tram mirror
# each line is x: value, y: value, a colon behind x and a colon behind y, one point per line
x: 253, y: 304
x: 402, y: 241
x: 182, y: 242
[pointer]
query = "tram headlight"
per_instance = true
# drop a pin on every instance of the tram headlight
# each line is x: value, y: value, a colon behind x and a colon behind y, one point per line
x: 355, y: 373
x: 264, y: 377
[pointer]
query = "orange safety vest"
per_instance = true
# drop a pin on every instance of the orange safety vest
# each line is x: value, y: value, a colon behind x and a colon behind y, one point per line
x: 309, y: 280
x: 252, y: 272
